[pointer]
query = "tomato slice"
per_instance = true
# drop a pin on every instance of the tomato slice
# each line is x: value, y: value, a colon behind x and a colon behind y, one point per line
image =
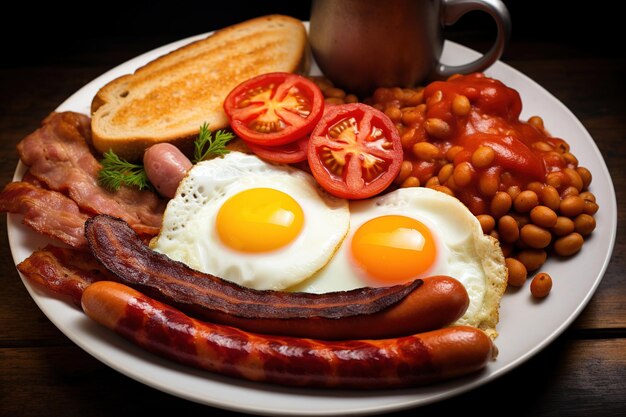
x: 355, y: 151
x: 289, y: 153
x: 275, y: 108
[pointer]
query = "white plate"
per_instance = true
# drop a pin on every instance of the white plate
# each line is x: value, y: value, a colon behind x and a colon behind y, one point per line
x: 526, y: 326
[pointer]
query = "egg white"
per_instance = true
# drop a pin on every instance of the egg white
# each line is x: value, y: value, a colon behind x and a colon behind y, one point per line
x: 459, y: 239
x: 188, y: 233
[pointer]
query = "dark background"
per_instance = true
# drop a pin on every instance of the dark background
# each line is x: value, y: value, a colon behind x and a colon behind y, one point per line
x: 56, y: 33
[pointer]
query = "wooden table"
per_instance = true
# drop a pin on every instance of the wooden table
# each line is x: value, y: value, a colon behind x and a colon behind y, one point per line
x: 583, y: 372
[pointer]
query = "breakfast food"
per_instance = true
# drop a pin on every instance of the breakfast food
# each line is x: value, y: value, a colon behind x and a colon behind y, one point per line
x: 365, y: 364
x: 168, y: 99
x: 397, y: 260
x: 464, y: 137
x: 364, y: 312
x: 260, y: 225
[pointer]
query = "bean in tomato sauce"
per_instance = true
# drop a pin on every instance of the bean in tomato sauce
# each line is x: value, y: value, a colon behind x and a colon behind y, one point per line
x: 464, y: 136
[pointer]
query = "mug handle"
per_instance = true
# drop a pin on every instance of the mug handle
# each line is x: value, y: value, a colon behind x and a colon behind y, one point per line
x: 453, y: 10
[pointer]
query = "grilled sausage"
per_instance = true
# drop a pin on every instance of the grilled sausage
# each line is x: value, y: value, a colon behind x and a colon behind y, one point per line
x: 165, y: 166
x: 363, y: 313
x: 364, y: 364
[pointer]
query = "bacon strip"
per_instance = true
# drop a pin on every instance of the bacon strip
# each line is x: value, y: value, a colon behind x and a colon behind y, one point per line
x: 63, y: 271
x: 206, y: 296
x: 58, y: 155
x: 47, y: 212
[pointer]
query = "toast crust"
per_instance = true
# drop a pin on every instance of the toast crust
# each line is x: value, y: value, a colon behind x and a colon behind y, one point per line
x: 168, y: 99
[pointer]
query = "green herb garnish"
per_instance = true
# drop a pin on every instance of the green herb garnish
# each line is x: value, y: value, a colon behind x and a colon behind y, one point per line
x: 116, y: 172
x: 206, y: 145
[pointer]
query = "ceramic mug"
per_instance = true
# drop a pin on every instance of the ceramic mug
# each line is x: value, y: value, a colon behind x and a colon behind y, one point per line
x: 364, y: 44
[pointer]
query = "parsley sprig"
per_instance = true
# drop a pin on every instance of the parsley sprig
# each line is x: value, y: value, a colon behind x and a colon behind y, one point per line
x: 206, y: 145
x: 116, y: 172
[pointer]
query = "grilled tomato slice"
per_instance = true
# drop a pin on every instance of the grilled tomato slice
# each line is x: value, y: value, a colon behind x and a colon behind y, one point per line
x: 274, y: 109
x: 355, y: 151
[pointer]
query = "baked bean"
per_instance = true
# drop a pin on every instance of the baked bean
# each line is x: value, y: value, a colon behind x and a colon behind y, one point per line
x: 543, y: 216
x: 443, y: 189
x: 408, y: 138
x: 500, y: 204
x: 542, y: 146
x: 461, y: 105
x: 541, y: 285
x: 556, y: 179
x: 590, y: 207
x: 432, y: 182
x: 563, y: 226
x: 406, y: 169
x: 508, y: 229
x: 550, y: 197
x: 535, y: 187
x: 445, y: 172
x: 574, y: 178
x: 414, y: 97
x: 517, y: 272
x: 483, y: 156
x: 588, y: 196
x: 411, y: 181
x: 323, y: 83
x: 488, y: 184
x: 535, y: 236
x: 584, y: 224
x: 486, y: 222
x: 351, y: 98
x: 411, y: 116
x: 563, y: 147
x: 572, y: 206
x: 536, y: 122
x: 569, y: 244
x: 398, y: 93
x: 568, y: 191
x: 435, y: 98
x: 513, y: 190
x: 437, y: 128
x: 525, y: 201
x: 570, y: 159
x: 452, y: 152
x: 585, y: 175
x: 394, y: 113
x: 532, y: 258
x: 426, y: 151
x: 462, y: 173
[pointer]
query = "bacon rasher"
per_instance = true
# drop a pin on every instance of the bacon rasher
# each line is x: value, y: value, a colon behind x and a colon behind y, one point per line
x: 65, y: 171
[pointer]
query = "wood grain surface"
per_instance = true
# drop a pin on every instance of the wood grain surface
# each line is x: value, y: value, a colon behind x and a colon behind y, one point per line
x: 42, y: 373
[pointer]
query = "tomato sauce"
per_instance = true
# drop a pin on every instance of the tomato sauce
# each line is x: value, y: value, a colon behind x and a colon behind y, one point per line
x: 522, y: 152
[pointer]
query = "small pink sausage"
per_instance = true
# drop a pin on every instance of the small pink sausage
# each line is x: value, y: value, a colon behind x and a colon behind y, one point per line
x: 165, y: 167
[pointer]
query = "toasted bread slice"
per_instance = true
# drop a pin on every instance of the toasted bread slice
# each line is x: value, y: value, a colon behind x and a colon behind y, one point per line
x: 168, y: 99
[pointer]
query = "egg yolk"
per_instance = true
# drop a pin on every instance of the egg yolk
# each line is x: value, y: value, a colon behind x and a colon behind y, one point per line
x: 259, y: 220
x: 393, y: 249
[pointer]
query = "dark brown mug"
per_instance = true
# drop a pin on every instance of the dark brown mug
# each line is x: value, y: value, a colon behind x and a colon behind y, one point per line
x: 364, y: 44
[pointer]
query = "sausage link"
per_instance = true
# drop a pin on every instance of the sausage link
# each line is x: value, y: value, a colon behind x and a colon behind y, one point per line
x: 364, y: 364
x: 165, y: 166
x: 367, y: 313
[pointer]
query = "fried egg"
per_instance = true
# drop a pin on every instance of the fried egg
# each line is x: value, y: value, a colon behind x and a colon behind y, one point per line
x: 414, y: 233
x: 260, y: 225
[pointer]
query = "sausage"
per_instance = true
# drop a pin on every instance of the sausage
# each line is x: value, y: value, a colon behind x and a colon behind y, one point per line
x: 364, y: 364
x: 165, y: 166
x: 362, y: 313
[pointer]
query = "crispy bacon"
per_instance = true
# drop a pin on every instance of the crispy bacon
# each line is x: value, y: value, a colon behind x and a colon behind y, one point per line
x: 58, y: 154
x: 48, y: 212
x: 209, y: 297
x: 63, y: 271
